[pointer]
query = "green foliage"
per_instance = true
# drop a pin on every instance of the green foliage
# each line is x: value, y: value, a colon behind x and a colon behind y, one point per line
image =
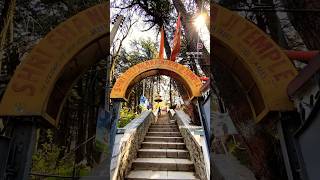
x: 140, y: 50
x: 125, y: 117
x: 46, y: 159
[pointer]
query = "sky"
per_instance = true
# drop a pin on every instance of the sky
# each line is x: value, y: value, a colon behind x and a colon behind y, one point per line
x: 136, y: 33
x: 203, y: 32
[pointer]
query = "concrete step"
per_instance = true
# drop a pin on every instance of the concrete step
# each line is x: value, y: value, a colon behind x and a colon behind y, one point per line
x: 160, y: 175
x: 164, y: 134
x: 163, y: 130
x: 163, y: 145
x: 162, y: 139
x: 163, y: 153
x: 165, y: 122
x: 163, y: 126
x: 162, y: 164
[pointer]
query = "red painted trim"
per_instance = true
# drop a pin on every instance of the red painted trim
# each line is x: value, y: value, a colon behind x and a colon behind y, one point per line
x: 301, y: 55
x: 203, y: 78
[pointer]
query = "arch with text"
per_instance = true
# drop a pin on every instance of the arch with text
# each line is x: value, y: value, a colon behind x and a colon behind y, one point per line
x: 135, y: 74
x: 258, y: 63
x: 44, y: 77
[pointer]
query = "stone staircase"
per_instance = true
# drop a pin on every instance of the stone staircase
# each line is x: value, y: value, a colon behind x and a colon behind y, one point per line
x: 163, y: 154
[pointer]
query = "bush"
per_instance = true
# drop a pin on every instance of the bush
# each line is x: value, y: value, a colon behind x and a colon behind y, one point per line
x: 46, y: 160
x: 125, y: 117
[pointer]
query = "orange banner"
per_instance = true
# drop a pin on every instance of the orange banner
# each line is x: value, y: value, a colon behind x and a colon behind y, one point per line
x: 176, y: 41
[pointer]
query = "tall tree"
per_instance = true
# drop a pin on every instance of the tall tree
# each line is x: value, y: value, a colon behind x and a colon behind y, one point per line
x: 6, y: 27
x: 191, y: 36
x: 272, y: 22
x: 267, y: 21
x: 156, y: 13
x: 307, y: 23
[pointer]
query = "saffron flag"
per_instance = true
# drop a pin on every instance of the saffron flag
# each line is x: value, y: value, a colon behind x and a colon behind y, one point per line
x: 176, y: 41
x: 161, y: 51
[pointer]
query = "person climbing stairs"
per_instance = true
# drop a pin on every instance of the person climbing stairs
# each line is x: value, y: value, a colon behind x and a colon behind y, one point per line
x: 163, y: 154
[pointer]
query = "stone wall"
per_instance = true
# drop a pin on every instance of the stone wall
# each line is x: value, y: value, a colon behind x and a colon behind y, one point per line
x: 194, y: 148
x: 130, y: 143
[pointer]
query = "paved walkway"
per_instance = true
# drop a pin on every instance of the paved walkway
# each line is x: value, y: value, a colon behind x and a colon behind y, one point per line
x: 227, y: 167
x: 163, y: 154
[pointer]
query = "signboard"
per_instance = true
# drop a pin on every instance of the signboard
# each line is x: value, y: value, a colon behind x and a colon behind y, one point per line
x: 144, y: 103
x: 123, y: 85
x: 267, y: 64
x: 34, y: 79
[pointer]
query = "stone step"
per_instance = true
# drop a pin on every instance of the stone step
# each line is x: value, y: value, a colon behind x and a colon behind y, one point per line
x: 163, y: 145
x: 162, y: 123
x: 164, y: 134
x: 163, y: 130
x: 159, y: 124
x: 163, y: 153
x: 160, y: 175
x: 162, y: 164
x: 162, y: 139
x: 163, y: 126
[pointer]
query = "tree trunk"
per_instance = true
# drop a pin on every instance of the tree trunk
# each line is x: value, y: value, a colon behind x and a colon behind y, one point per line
x: 167, y: 46
x: 4, y: 13
x: 152, y: 89
x: 307, y: 24
x: 80, y: 152
x: 273, y: 23
x: 6, y: 27
x: 170, y: 92
x: 63, y: 133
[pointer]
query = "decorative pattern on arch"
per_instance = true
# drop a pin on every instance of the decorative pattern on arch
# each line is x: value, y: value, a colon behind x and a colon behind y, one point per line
x: 133, y: 75
x: 43, y: 79
x: 263, y: 70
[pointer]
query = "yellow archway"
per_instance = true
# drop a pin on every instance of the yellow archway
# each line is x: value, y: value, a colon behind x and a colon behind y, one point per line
x: 182, y: 74
x: 263, y: 70
x: 42, y: 80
